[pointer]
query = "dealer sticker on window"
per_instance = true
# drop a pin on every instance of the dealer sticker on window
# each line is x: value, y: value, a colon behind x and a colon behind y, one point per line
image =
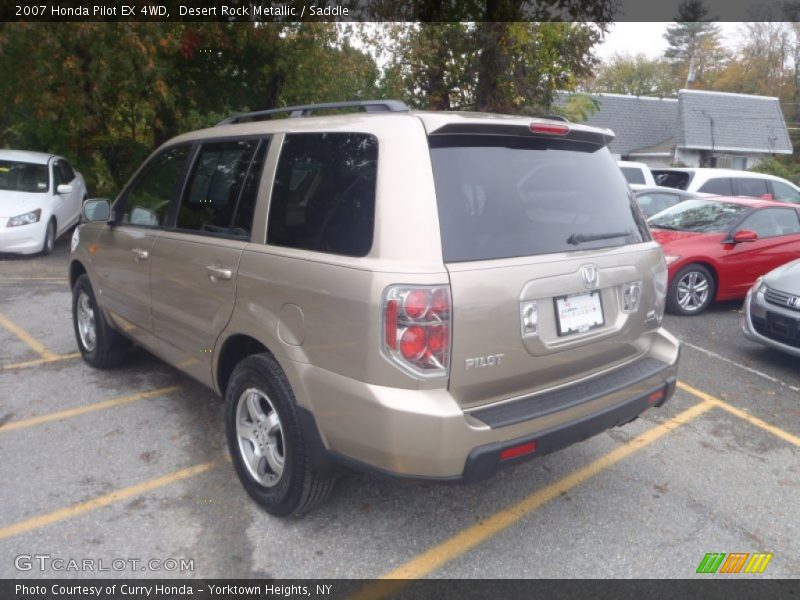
x: 578, y: 313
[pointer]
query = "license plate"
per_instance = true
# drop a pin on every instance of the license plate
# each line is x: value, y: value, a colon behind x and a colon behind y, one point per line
x: 578, y: 313
x: 782, y: 326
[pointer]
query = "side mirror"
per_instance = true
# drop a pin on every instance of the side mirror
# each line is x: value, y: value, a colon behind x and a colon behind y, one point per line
x: 97, y: 210
x: 744, y: 235
x: 64, y: 188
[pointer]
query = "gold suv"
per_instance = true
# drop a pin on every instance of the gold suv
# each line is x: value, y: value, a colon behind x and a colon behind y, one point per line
x: 427, y: 295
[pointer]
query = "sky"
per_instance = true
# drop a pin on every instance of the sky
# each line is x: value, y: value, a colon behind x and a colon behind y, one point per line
x: 648, y: 38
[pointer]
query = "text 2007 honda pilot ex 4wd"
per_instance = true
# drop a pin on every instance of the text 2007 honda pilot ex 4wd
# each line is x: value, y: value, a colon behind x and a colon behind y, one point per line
x: 426, y: 295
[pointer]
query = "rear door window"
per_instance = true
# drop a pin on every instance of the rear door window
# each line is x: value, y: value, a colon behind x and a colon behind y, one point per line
x: 220, y: 195
x: 718, y: 185
x: 753, y: 187
x: 324, y: 193
x: 784, y: 192
x: 505, y: 196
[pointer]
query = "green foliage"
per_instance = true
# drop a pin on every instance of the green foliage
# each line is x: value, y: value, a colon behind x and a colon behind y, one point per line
x: 578, y: 107
x: 636, y: 76
x: 786, y: 166
x: 105, y: 94
x: 693, y: 43
x: 507, y: 67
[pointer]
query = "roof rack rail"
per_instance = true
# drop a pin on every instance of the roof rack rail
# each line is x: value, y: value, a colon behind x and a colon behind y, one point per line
x: 307, y: 109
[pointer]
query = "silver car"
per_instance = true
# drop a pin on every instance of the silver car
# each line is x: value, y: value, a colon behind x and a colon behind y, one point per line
x: 772, y: 309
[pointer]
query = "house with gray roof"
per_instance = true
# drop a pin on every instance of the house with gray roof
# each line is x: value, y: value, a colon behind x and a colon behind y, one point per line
x: 696, y: 129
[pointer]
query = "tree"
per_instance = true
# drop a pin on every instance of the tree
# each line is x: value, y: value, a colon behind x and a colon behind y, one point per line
x: 105, y: 95
x: 578, y: 107
x: 693, y: 43
x: 635, y: 75
x: 509, y: 67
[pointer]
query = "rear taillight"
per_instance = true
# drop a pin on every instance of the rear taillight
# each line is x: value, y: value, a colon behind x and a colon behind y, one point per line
x: 416, y: 328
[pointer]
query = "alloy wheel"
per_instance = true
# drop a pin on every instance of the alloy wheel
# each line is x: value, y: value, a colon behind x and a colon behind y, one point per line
x: 260, y: 436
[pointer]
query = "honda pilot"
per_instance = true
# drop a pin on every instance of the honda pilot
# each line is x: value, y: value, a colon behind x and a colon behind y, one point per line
x: 425, y: 295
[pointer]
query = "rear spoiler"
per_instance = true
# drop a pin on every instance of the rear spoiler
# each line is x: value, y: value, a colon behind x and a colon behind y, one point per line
x: 576, y: 133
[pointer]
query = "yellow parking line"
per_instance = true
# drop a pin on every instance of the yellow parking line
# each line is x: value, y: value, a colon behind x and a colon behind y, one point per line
x: 101, y: 501
x: 475, y: 535
x: 86, y: 408
x: 742, y: 414
x: 39, y: 361
x: 62, y: 279
x: 26, y: 337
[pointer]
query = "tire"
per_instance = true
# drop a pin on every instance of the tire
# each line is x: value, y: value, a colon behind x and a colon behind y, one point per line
x: 49, y: 241
x: 692, y: 290
x: 272, y: 458
x: 101, y: 346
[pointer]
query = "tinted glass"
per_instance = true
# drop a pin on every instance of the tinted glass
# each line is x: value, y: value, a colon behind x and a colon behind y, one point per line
x: 23, y: 177
x: 754, y: 188
x: 214, y: 202
x: 500, y: 197
x: 148, y: 199
x: 324, y: 193
x: 654, y: 202
x: 771, y: 222
x: 673, y: 179
x: 781, y: 191
x: 633, y: 175
x: 703, y: 216
x: 718, y: 185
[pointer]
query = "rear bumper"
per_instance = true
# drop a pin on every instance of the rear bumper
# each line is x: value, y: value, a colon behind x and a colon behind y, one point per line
x: 425, y: 435
x: 485, y: 461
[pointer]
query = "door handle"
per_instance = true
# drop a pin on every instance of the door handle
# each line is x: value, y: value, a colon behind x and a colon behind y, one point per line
x: 139, y: 254
x: 218, y: 273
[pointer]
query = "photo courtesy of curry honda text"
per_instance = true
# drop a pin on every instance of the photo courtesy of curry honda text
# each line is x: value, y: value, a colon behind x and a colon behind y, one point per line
x: 426, y: 295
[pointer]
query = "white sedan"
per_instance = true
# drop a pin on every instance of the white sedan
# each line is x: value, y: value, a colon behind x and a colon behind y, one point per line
x: 40, y: 198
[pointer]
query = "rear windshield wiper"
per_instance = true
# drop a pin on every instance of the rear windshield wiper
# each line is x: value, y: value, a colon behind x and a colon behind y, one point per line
x: 581, y: 238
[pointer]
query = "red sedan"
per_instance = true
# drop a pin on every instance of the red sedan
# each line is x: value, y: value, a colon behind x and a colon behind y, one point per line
x: 716, y: 248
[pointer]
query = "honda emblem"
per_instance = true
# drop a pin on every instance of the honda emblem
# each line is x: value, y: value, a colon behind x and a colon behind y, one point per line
x: 590, y: 277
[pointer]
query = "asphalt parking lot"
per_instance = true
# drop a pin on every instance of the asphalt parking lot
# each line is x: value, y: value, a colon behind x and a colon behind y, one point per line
x: 130, y: 464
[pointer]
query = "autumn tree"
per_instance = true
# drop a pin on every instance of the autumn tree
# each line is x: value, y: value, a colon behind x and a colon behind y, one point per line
x: 507, y: 67
x: 635, y: 75
x: 105, y: 94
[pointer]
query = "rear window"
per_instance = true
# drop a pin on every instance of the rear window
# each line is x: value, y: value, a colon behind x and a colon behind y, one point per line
x: 701, y: 216
x: 674, y: 179
x: 502, y: 197
x: 633, y: 175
